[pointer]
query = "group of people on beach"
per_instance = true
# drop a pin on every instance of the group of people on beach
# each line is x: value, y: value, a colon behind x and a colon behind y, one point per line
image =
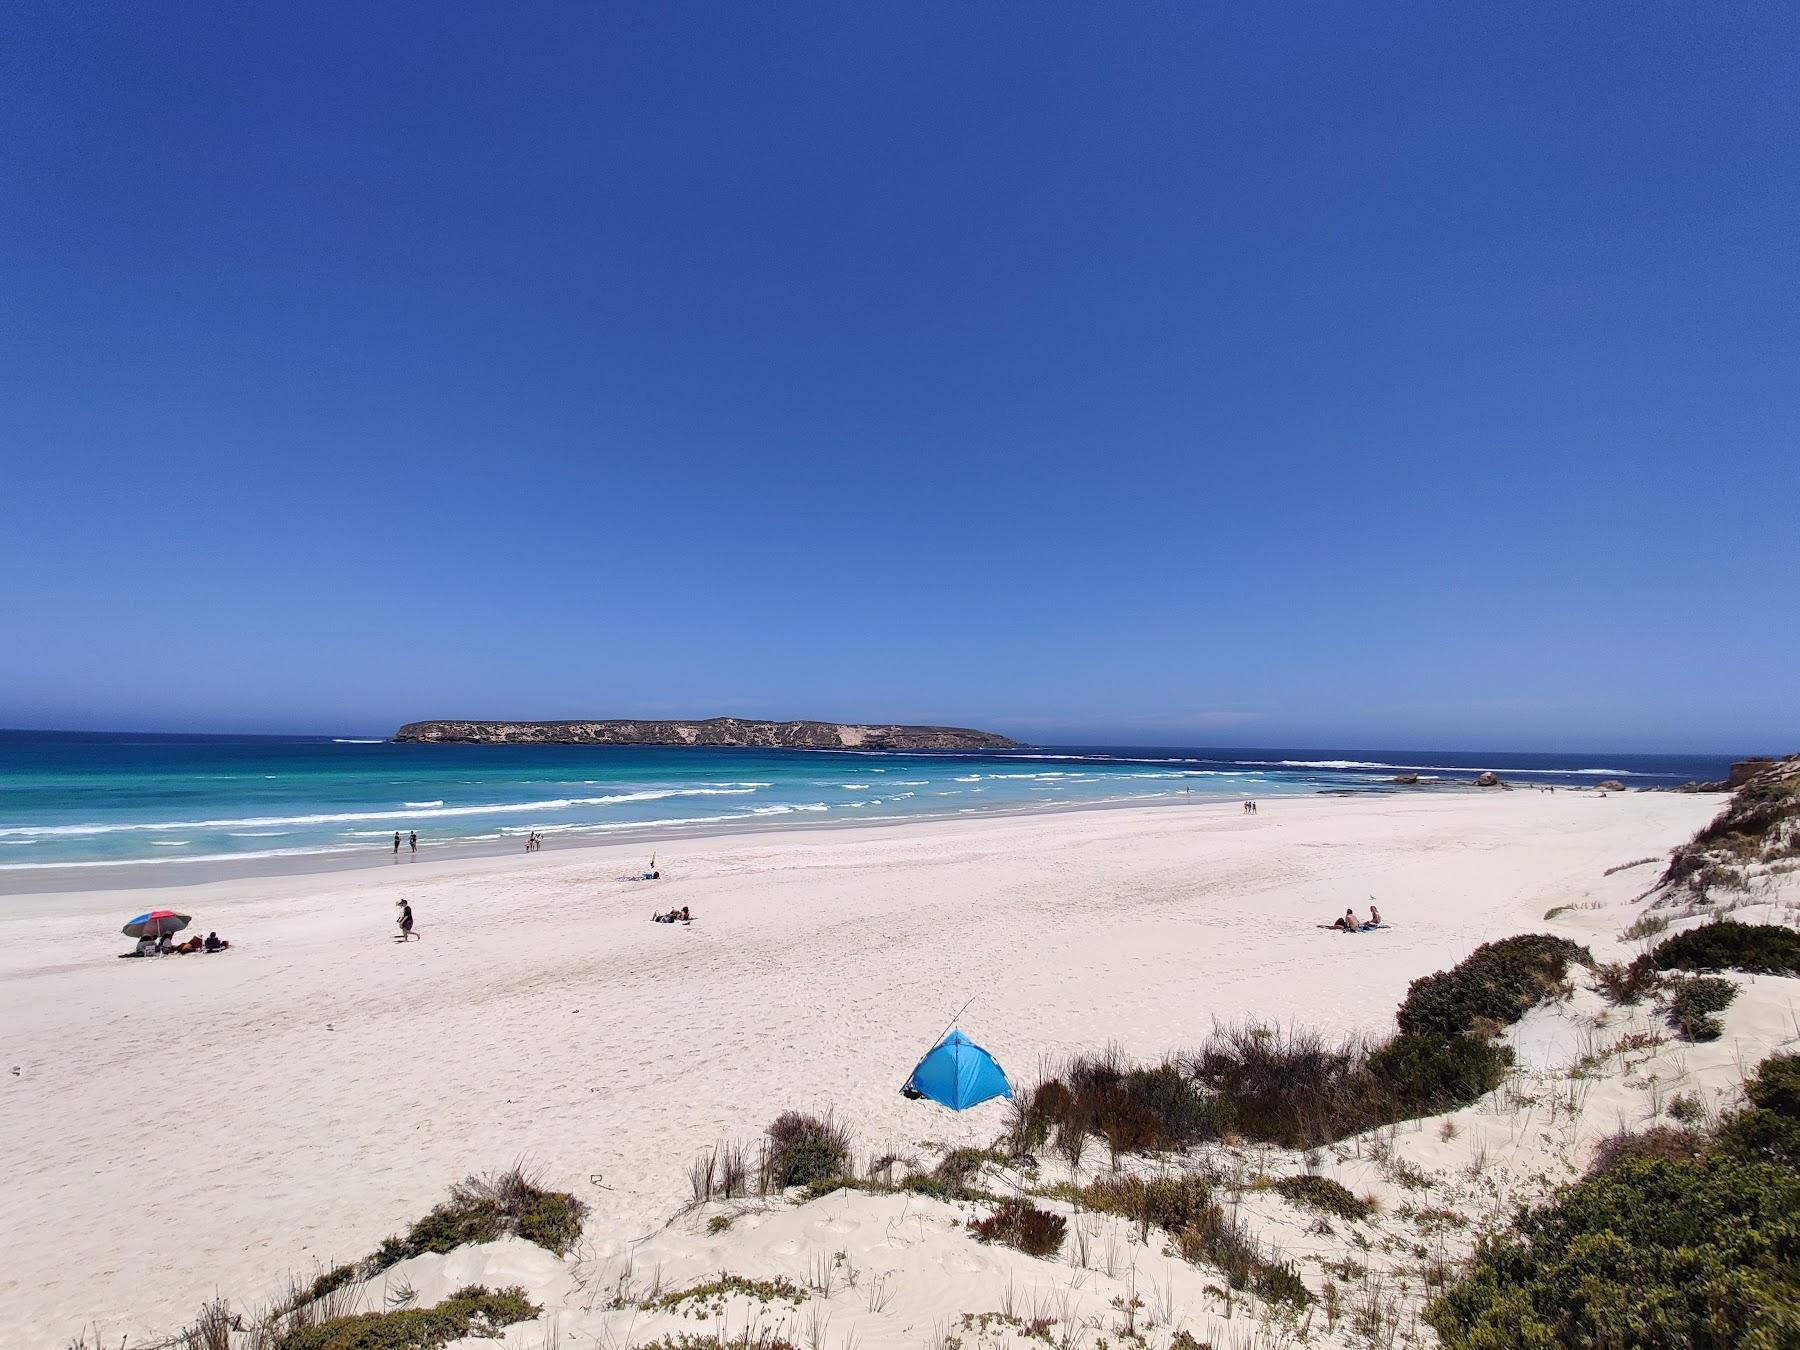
x: 167, y: 946
x: 673, y: 916
x: 1350, y: 924
x: 1249, y: 808
x: 533, y: 842
x: 412, y: 839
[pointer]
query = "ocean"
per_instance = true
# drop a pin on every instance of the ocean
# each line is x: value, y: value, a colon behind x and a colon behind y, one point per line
x: 81, y: 803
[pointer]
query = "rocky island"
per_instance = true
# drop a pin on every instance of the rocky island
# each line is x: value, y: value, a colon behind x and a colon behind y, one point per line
x: 713, y: 731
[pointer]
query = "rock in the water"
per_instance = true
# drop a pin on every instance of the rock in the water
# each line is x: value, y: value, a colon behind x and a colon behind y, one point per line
x: 1612, y: 785
x: 1407, y: 779
x: 1488, y: 778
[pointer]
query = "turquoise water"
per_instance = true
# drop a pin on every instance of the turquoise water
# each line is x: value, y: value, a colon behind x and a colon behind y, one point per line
x: 80, y: 801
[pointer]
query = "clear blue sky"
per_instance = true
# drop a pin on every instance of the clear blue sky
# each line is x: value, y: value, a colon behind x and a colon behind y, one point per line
x: 1325, y: 374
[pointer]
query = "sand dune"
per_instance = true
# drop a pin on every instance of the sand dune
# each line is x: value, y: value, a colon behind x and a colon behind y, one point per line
x: 202, y: 1124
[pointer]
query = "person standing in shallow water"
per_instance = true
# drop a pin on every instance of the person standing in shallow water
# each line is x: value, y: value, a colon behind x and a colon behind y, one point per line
x: 396, y: 843
x: 413, y: 839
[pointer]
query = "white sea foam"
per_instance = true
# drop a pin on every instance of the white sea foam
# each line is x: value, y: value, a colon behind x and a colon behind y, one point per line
x: 170, y: 843
x: 438, y: 802
x: 341, y: 817
x: 357, y: 740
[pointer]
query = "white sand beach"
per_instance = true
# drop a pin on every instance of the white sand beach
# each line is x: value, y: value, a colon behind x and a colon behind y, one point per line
x: 203, y: 1125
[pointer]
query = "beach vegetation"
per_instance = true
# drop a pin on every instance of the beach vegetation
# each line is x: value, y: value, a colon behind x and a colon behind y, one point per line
x: 1692, y: 1003
x: 1018, y: 1223
x: 472, y: 1311
x: 1726, y: 944
x: 1421, y: 1074
x: 1323, y: 1194
x: 708, y: 1297
x: 804, y: 1149
x: 485, y: 1208
x: 1769, y: 1129
x: 1659, y: 1141
x: 1671, y: 1240
x: 1653, y: 1252
x: 1494, y: 986
x: 1623, y: 983
x: 760, y: 1338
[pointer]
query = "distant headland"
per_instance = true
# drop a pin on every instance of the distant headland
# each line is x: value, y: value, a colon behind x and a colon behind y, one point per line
x: 713, y: 731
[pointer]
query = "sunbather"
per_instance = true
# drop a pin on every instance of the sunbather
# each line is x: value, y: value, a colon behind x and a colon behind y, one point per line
x: 215, y: 943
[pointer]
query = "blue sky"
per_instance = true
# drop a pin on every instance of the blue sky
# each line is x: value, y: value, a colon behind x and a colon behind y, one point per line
x: 1319, y: 374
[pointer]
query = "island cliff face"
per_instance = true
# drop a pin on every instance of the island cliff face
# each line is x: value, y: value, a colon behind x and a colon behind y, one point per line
x: 714, y: 731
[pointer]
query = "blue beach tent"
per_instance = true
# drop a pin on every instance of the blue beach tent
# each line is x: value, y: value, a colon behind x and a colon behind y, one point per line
x: 957, y: 1073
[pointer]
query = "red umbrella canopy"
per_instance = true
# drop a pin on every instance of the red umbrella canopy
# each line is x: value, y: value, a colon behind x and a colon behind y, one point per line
x: 155, y: 923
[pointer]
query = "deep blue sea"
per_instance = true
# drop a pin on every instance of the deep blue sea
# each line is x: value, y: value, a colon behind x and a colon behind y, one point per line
x: 92, y: 801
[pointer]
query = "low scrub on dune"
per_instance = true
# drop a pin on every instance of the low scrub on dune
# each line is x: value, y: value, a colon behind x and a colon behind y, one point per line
x: 473, y: 1311
x: 805, y: 1150
x: 1726, y: 944
x: 1493, y: 987
x: 1324, y: 1195
x: 1134, y: 1109
x: 1019, y: 1223
x: 1183, y: 1207
x: 1423, y: 1074
x: 482, y: 1209
x: 1692, y: 1003
x: 1769, y: 1129
x: 1672, y: 1240
x: 1652, y: 1253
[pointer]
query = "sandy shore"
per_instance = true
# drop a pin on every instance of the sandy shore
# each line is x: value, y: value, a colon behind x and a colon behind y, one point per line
x: 198, y: 1125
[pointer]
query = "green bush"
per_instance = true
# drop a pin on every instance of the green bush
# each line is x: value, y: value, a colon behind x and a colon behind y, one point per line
x: 474, y: 1311
x: 1322, y: 1193
x: 1170, y: 1203
x: 1019, y: 1223
x: 804, y: 1149
x: 1769, y: 1131
x: 1497, y: 983
x: 1436, y: 1073
x: 1654, y: 1253
x: 482, y: 1209
x: 553, y: 1221
x: 1760, y: 948
x: 1692, y: 1003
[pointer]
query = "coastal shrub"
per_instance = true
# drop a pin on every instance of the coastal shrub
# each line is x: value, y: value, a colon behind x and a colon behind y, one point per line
x: 1652, y: 1253
x: 1659, y: 1141
x: 1290, y: 1086
x: 1172, y: 1203
x: 1769, y: 1130
x: 484, y: 1208
x: 1692, y: 1003
x: 1323, y: 1194
x: 1424, y: 1073
x: 553, y: 1222
x: 1019, y: 1223
x: 472, y: 1311
x: 1621, y: 984
x: 1219, y: 1240
x: 1496, y: 984
x: 1760, y: 948
x: 1135, y: 1109
x: 761, y: 1338
x: 805, y: 1149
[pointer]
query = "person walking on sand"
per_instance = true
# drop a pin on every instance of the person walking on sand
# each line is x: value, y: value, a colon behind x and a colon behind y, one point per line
x: 413, y: 839
x: 406, y: 921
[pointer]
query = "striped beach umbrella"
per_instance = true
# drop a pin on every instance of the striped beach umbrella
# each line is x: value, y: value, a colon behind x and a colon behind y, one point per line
x: 155, y: 923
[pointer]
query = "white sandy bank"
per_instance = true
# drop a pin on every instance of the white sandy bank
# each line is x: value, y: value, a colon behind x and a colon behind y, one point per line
x: 196, y: 1125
